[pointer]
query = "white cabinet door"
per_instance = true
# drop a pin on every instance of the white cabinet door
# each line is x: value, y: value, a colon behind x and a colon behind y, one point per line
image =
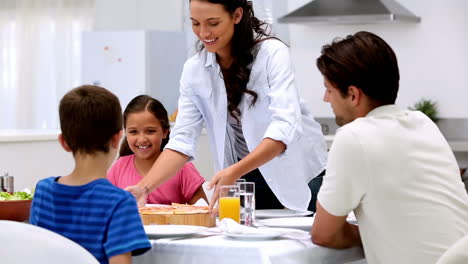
x: 116, y: 61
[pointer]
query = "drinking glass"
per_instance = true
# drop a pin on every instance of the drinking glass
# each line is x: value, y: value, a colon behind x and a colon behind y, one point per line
x: 247, y: 202
x: 229, y: 202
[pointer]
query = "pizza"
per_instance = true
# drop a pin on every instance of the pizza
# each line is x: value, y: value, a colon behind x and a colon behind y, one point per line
x: 173, y: 209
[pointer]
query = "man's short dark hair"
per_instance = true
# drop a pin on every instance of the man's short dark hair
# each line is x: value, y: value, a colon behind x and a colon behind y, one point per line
x: 89, y: 117
x: 364, y: 60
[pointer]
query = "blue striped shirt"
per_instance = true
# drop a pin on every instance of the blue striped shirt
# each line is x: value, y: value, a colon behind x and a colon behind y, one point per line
x: 99, y: 216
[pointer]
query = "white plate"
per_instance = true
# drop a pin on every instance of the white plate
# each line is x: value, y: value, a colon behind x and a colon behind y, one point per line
x: 161, y: 231
x: 302, y: 223
x: 265, y: 236
x: 276, y: 213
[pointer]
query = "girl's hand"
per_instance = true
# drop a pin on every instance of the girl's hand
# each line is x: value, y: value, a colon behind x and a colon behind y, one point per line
x: 139, y: 193
x: 223, y: 177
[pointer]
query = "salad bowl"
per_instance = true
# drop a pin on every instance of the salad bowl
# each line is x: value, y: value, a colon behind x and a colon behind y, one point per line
x: 14, y: 209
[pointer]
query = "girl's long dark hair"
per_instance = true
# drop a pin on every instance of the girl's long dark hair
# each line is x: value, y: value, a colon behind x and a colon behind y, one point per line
x: 247, y: 33
x: 140, y: 104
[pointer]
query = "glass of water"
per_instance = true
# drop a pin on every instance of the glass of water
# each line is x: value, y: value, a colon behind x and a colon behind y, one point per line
x: 247, y: 202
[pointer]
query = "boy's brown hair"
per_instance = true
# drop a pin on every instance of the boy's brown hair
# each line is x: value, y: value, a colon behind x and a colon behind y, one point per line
x: 89, y: 117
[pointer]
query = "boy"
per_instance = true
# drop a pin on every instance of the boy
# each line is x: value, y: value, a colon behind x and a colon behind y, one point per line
x: 84, y: 206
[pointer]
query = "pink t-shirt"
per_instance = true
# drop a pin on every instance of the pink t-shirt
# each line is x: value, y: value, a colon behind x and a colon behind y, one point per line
x: 178, y: 189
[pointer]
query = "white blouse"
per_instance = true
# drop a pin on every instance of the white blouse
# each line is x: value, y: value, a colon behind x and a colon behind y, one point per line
x: 278, y: 114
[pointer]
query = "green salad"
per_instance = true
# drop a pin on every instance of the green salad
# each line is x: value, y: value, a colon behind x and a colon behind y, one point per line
x: 4, y: 196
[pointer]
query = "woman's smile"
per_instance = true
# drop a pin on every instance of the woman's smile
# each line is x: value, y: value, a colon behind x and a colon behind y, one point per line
x: 209, y: 42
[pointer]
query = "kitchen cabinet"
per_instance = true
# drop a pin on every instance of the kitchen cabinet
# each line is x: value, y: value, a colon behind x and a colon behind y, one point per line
x: 459, y: 148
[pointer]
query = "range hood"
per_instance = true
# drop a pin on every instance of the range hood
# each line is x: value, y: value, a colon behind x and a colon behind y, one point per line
x: 351, y: 12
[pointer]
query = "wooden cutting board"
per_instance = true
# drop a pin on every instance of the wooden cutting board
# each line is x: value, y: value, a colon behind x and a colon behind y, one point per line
x: 200, y: 219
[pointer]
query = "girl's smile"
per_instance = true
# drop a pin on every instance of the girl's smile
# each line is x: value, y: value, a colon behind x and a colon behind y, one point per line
x: 144, y: 135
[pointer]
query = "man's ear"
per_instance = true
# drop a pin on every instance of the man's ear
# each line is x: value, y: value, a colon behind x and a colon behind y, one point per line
x: 63, y: 143
x: 115, y: 140
x: 238, y: 15
x: 355, y: 94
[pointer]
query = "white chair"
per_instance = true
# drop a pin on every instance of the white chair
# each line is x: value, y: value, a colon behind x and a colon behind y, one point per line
x: 457, y: 253
x: 25, y: 243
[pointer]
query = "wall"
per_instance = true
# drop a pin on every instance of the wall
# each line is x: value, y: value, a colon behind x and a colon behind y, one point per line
x: 432, y: 58
x: 37, y: 154
x: 34, y: 155
x: 30, y: 159
x: 139, y: 14
x: 432, y: 55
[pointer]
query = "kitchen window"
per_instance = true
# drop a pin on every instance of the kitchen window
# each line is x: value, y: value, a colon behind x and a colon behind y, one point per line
x: 40, y: 58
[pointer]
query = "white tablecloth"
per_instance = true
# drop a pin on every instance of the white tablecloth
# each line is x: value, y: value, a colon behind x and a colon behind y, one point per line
x: 219, y: 249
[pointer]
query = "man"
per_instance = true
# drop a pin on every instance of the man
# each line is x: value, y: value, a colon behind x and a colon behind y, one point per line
x: 392, y: 167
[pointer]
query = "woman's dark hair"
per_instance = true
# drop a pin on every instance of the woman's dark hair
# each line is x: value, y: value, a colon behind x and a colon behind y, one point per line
x: 247, y: 33
x: 140, y: 104
x: 364, y: 60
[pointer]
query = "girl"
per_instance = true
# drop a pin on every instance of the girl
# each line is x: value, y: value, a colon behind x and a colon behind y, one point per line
x: 147, y: 129
x: 241, y: 86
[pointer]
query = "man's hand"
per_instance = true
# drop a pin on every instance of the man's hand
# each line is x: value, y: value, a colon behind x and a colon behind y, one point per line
x: 140, y: 194
x: 333, y: 231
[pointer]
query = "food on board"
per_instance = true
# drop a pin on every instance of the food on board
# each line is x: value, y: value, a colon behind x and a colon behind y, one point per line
x: 177, y: 214
x: 174, y: 209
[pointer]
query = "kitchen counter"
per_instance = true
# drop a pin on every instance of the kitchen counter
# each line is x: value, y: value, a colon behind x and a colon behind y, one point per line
x: 459, y: 145
x: 27, y: 135
x: 455, y: 145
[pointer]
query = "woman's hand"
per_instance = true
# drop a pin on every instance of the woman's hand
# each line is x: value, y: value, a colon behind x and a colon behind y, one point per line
x: 139, y: 193
x: 167, y: 165
x: 223, y: 177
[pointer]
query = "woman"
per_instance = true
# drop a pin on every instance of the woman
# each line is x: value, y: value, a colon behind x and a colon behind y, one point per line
x: 241, y: 86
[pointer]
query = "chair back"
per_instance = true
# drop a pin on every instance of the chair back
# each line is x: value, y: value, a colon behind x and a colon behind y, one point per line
x: 25, y: 243
x: 457, y: 253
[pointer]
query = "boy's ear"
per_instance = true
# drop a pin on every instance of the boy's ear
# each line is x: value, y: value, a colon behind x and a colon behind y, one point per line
x: 115, y: 140
x: 63, y: 143
x: 166, y: 133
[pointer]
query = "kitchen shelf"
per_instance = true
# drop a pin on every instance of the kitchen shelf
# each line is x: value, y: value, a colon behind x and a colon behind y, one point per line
x: 459, y: 145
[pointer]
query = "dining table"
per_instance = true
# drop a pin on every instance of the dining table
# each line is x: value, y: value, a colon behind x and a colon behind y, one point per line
x: 212, y: 246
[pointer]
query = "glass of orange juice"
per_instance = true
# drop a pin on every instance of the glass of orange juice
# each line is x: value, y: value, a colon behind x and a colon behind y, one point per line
x: 229, y: 202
